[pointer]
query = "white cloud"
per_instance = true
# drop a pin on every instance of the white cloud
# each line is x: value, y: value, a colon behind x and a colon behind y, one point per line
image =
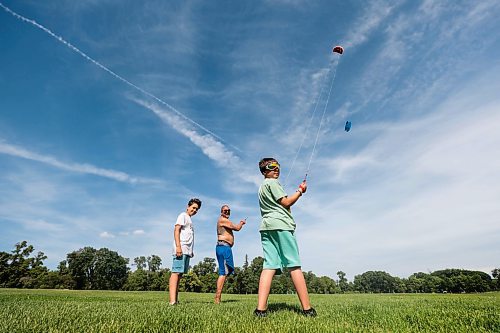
x: 423, y: 53
x: 85, y: 168
x: 209, y: 145
x: 106, y: 234
x: 374, y: 15
x: 138, y: 232
x: 41, y: 225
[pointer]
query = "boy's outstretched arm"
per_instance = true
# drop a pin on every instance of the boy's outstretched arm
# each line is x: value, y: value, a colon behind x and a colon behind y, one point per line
x: 288, y: 201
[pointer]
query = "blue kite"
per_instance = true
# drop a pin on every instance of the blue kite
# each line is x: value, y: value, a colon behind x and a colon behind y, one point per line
x: 347, y: 126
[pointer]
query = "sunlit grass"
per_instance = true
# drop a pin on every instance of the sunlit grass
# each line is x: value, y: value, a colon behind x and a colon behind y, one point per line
x: 106, y: 311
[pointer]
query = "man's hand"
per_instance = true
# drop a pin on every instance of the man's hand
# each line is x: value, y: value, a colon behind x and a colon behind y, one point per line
x: 178, y: 251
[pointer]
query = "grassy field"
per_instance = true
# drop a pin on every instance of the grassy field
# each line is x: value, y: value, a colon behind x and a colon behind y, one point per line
x: 106, y: 311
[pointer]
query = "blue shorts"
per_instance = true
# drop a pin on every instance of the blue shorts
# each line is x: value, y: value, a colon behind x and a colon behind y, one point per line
x: 180, y: 264
x: 280, y: 249
x: 224, y: 259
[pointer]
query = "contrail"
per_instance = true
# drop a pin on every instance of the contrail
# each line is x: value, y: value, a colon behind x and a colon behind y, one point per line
x: 215, y: 150
x: 101, y: 66
x: 120, y: 176
x: 212, y: 148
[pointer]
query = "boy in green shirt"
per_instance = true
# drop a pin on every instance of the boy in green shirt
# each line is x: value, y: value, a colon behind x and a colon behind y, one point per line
x: 277, y: 233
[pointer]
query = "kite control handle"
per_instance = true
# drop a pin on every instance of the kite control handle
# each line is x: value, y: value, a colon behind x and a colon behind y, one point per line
x: 303, y: 187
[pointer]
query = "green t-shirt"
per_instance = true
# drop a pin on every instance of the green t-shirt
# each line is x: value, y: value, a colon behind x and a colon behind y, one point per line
x: 274, y: 215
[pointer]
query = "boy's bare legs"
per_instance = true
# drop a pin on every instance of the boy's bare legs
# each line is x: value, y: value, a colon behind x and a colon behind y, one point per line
x: 300, y: 286
x: 220, y: 286
x: 266, y: 278
x: 173, y: 287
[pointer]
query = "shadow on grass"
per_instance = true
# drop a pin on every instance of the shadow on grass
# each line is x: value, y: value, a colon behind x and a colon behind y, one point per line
x: 275, y: 307
x: 211, y: 301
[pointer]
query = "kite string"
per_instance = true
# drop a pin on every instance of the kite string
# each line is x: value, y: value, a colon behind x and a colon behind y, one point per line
x: 321, y: 121
x: 307, y: 128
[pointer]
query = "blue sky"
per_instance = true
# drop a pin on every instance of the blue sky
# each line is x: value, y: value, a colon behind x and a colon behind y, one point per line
x: 114, y: 113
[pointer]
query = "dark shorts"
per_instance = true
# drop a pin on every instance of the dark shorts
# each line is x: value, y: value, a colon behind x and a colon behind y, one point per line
x: 224, y: 258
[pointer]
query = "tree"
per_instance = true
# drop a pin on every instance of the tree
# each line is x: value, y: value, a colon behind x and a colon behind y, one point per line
x: 414, y: 284
x: 342, y: 282
x: 245, y: 264
x: 137, y: 281
x: 399, y: 285
x: 282, y: 283
x: 66, y: 280
x: 37, y: 269
x: 19, y: 270
x: 375, y: 282
x: 190, y: 282
x: 233, y: 282
x: 320, y: 285
x: 250, y: 282
x: 97, y: 269
x: 311, y: 282
x: 461, y: 280
x: 160, y: 279
x: 81, y: 266
x: 4, y: 268
x: 154, y: 263
x: 19, y: 265
x: 205, y: 267
x: 140, y: 262
x: 327, y: 285
x: 143, y: 279
x: 62, y: 268
x: 236, y: 284
x: 54, y: 280
x: 89, y: 268
x: 496, y: 275
x: 110, y: 270
x: 206, y: 272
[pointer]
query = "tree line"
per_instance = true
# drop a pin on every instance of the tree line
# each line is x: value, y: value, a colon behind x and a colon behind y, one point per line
x: 103, y: 269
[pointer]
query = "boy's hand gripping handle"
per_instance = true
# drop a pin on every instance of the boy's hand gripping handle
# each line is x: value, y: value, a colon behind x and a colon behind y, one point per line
x: 303, y: 187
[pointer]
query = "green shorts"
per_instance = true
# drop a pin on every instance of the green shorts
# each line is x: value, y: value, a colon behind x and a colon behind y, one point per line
x: 280, y: 249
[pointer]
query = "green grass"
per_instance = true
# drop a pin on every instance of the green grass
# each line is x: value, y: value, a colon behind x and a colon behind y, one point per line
x: 106, y: 311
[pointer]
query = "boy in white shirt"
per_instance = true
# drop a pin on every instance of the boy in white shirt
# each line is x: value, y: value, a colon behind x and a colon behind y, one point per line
x: 182, y: 247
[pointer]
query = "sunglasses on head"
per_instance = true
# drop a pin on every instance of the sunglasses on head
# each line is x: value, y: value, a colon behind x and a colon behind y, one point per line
x: 272, y: 166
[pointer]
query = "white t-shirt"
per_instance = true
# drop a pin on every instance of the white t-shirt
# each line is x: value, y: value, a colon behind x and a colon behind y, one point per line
x: 187, y: 234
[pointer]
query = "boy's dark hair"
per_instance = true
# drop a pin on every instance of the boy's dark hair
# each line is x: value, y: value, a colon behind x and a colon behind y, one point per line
x: 196, y: 201
x: 265, y: 161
